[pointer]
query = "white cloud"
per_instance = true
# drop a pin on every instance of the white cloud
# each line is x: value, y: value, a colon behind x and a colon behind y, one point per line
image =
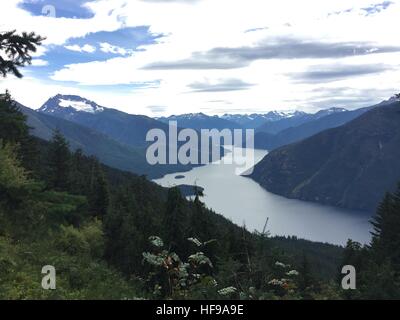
x: 85, y: 48
x: 203, y: 25
x: 108, y: 48
x: 39, y: 63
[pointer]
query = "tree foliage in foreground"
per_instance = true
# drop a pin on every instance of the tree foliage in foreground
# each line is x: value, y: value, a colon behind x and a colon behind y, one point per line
x: 17, y: 51
x: 93, y: 224
x: 378, y: 265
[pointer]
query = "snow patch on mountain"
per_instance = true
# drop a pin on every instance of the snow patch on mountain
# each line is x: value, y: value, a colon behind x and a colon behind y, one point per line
x: 79, y: 106
x: 395, y: 98
x: 268, y: 117
x: 64, y: 103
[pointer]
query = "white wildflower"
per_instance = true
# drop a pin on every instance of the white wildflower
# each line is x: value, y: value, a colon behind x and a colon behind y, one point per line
x: 275, y: 282
x: 195, y: 241
x: 200, y: 259
x: 156, y: 241
x: 292, y: 273
x: 280, y: 264
x: 227, y: 291
x: 153, y: 259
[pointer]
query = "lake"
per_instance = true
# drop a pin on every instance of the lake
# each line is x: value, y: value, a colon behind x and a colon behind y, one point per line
x: 244, y: 201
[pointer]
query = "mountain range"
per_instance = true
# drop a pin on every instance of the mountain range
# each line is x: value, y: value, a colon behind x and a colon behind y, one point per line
x: 303, y: 128
x: 273, y: 129
x: 130, y: 130
x: 122, y: 127
x: 255, y: 120
x: 107, y: 150
x: 349, y: 166
x: 198, y: 121
x: 80, y: 121
x: 118, y: 139
x: 299, y: 118
x: 272, y: 122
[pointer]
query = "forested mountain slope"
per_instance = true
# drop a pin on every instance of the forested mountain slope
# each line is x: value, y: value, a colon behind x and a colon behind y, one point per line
x: 350, y: 166
x: 95, y: 143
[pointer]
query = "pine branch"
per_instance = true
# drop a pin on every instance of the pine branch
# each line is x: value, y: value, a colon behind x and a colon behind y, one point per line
x: 15, y: 51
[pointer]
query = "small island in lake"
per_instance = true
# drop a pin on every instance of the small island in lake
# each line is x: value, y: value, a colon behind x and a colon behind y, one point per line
x: 189, y: 190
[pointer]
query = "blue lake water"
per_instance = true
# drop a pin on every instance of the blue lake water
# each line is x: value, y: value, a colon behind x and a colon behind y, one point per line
x: 243, y: 201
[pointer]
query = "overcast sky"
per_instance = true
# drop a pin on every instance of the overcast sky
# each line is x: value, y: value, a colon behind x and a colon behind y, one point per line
x: 162, y: 57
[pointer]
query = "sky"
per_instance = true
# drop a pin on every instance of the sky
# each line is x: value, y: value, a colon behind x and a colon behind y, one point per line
x: 163, y: 57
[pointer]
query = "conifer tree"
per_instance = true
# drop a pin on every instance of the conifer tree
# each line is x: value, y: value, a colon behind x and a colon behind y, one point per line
x: 124, y: 245
x: 14, y: 130
x: 59, y: 162
x: 16, y: 50
x: 99, y: 195
x: 306, y: 278
x: 79, y: 173
x: 200, y: 226
x: 386, y: 234
x: 13, y: 126
x: 174, y: 222
x: 378, y: 265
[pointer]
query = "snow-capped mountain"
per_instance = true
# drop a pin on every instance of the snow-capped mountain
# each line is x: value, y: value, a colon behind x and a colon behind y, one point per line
x: 392, y: 99
x: 327, y: 112
x: 279, y: 115
x: 186, y: 116
x: 395, y: 98
x: 279, y: 119
x: 123, y: 127
x: 70, y: 104
x: 244, y: 118
x: 255, y: 120
x: 200, y: 121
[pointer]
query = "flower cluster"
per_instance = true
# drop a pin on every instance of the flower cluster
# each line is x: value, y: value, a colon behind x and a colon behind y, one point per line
x: 280, y: 264
x: 227, y: 291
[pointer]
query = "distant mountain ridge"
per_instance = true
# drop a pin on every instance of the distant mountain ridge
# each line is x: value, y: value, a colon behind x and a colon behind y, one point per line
x: 323, y: 120
x: 122, y: 127
x: 277, y: 127
x: 271, y: 122
x: 349, y: 166
x: 255, y: 120
x: 198, y: 121
x: 92, y: 142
